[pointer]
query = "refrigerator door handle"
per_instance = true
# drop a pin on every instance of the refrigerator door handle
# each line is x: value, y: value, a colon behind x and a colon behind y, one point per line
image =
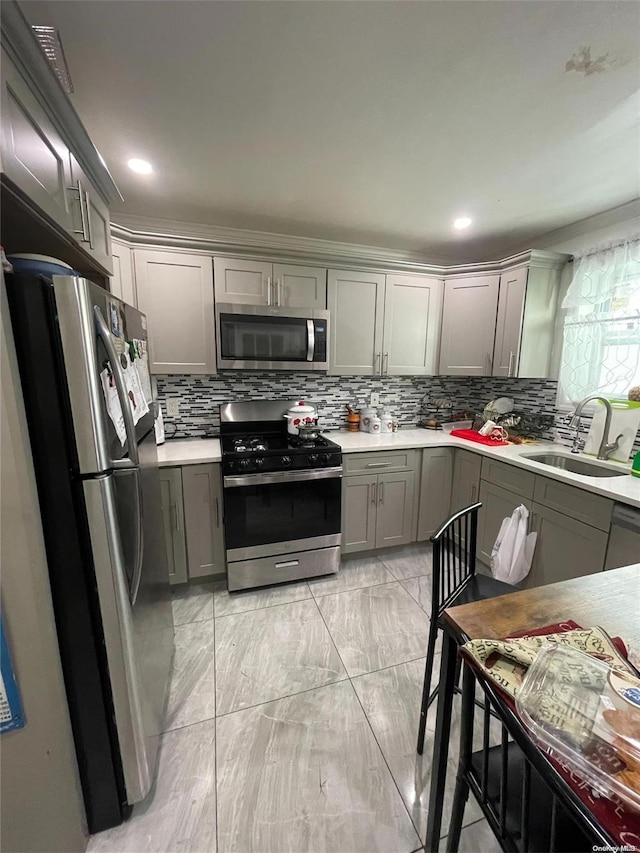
x: 129, y: 426
x: 139, y: 552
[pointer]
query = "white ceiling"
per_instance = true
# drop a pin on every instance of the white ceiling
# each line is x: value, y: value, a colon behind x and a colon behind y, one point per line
x: 367, y: 122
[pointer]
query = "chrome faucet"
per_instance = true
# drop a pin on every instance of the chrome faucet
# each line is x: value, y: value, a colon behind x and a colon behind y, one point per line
x: 606, y: 449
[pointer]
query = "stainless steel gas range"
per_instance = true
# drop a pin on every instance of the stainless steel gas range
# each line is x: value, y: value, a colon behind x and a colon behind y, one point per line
x: 282, y: 497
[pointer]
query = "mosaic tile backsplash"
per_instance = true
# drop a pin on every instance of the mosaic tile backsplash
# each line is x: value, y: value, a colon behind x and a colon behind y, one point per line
x: 409, y: 398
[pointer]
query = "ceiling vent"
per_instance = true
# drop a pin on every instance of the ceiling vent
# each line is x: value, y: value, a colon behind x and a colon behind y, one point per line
x: 49, y: 39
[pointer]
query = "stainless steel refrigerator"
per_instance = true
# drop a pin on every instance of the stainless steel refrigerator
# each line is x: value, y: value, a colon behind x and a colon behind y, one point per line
x: 100, y: 501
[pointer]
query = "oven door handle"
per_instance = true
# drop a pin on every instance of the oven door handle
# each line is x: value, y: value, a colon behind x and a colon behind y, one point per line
x: 311, y: 339
x: 281, y: 477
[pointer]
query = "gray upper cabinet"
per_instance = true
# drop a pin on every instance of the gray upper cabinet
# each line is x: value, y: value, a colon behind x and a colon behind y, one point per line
x: 300, y: 286
x: 202, y: 492
x: 175, y: 291
x: 243, y: 282
x: 90, y: 216
x: 356, y: 302
x: 173, y: 523
x: 253, y: 282
x: 411, y: 332
x: 468, y: 325
x: 506, y: 351
x: 122, y: 281
x: 34, y: 156
x: 526, y: 319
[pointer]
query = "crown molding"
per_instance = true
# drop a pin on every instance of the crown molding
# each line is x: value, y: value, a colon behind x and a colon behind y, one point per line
x: 24, y: 51
x: 143, y: 231
x: 608, y: 218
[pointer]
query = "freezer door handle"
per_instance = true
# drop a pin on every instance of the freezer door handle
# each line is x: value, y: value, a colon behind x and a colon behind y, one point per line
x: 129, y: 427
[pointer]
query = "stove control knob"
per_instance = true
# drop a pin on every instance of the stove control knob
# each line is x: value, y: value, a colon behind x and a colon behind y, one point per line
x: 259, y: 462
x: 314, y: 459
x: 325, y: 459
x: 244, y: 464
x: 286, y: 462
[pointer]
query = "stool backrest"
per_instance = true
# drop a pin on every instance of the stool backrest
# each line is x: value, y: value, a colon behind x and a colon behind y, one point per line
x: 454, y: 556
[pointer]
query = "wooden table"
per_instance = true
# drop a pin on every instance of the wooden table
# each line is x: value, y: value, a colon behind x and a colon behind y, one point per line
x: 608, y: 599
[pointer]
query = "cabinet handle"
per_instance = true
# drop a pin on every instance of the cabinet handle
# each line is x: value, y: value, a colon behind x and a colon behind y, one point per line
x: 87, y: 211
x: 376, y: 368
x: 374, y: 492
x: 510, y: 368
x: 217, y: 512
x: 84, y: 228
x: 279, y: 292
x: 488, y: 364
x: 287, y: 565
x: 381, y: 493
x: 378, y: 464
x: 385, y: 368
x: 176, y: 518
x: 473, y: 493
x: 269, y: 293
x: 532, y: 516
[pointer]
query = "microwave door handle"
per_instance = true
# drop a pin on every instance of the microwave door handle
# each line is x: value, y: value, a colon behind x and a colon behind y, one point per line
x: 129, y: 426
x: 311, y: 339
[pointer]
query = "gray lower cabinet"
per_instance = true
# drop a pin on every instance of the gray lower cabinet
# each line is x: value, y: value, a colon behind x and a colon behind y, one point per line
x: 173, y: 523
x: 565, y: 549
x: 377, y: 508
x: 498, y: 503
x: 435, y: 490
x: 202, y: 494
x: 466, y: 479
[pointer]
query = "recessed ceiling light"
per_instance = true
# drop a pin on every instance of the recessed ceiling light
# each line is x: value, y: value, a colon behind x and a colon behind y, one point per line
x: 140, y: 166
x: 462, y: 222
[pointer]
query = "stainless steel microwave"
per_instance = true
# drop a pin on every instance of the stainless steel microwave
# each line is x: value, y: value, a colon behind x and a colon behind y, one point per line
x: 259, y: 337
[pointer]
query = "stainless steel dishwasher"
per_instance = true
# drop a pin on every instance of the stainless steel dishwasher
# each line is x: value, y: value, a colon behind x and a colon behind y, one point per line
x: 624, y: 538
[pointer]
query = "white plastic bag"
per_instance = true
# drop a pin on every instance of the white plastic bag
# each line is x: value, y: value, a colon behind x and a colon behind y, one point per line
x: 513, y: 550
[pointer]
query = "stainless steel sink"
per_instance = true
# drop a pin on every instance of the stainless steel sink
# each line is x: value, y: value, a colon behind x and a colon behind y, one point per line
x: 576, y: 466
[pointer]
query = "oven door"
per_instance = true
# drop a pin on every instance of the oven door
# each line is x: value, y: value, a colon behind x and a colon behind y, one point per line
x: 260, y: 338
x: 281, y: 512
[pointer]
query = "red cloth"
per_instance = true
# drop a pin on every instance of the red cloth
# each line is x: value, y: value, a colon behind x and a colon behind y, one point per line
x: 618, y: 819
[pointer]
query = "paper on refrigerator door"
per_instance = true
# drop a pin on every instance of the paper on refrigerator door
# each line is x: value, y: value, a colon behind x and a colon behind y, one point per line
x: 114, y: 409
x: 135, y: 393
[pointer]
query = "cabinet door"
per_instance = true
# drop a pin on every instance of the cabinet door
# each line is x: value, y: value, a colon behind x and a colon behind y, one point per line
x: 506, y: 350
x: 412, y: 312
x: 356, y: 302
x: 91, y: 224
x: 565, y: 548
x: 34, y: 156
x: 468, y: 325
x: 359, y: 503
x: 497, y: 504
x: 175, y: 291
x: 173, y: 523
x: 435, y: 490
x: 394, y: 524
x: 241, y: 281
x: 300, y: 287
x: 122, y: 282
x: 202, y: 491
x: 466, y: 479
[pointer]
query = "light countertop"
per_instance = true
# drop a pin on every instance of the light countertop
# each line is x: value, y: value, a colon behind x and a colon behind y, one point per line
x: 189, y: 451
x: 624, y: 489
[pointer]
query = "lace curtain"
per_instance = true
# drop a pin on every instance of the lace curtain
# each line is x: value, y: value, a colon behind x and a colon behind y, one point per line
x: 601, y: 340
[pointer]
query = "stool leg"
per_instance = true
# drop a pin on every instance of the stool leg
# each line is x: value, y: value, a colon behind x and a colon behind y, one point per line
x: 461, y: 794
x: 441, y: 742
x: 426, y: 687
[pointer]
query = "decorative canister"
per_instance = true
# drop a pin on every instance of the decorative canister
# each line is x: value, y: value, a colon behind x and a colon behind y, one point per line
x: 365, y: 419
x: 375, y: 424
x: 386, y: 420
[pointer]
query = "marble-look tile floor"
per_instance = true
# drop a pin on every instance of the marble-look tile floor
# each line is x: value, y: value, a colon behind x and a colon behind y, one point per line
x: 292, y: 720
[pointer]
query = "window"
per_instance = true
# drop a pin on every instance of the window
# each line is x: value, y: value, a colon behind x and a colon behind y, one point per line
x: 601, y: 335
